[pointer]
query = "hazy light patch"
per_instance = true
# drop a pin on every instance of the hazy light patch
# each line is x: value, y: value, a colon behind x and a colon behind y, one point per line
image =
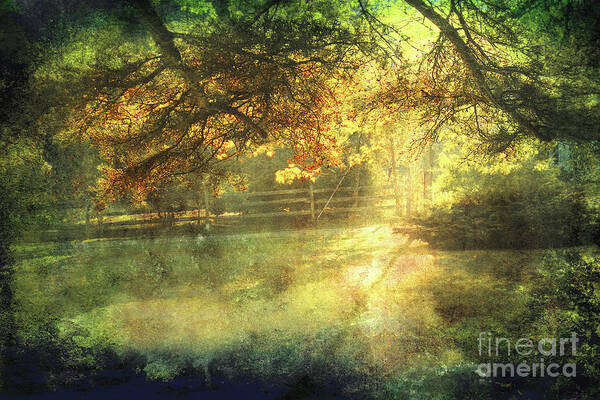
x: 365, y: 275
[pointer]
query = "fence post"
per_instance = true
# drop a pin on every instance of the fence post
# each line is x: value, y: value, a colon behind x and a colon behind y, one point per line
x: 312, y: 200
x: 206, y: 202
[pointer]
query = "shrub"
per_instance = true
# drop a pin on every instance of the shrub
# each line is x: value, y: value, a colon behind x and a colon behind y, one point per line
x: 566, y: 298
x: 507, y: 219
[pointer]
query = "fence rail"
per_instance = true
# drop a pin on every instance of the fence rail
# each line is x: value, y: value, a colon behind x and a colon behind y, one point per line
x: 300, y: 205
x: 304, y: 202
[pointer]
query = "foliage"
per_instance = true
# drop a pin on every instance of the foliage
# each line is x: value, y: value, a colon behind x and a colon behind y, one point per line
x: 203, y: 94
x: 275, y: 308
x: 518, y: 202
x: 177, y: 104
x: 566, y: 298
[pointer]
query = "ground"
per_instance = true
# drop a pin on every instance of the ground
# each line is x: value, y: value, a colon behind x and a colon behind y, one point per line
x: 363, y: 306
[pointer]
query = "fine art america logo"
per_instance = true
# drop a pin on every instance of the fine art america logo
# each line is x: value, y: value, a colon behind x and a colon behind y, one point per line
x: 545, y: 347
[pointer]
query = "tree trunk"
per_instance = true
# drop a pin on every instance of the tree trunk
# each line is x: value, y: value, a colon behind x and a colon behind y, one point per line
x: 394, y: 174
x: 160, y: 34
x: 428, y: 174
x: 356, y: 187
x: 88, y: 210
x: 474, y: 67
x: 357, y: 171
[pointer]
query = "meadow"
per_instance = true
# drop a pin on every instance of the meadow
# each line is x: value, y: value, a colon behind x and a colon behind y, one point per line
x: 357, y: 312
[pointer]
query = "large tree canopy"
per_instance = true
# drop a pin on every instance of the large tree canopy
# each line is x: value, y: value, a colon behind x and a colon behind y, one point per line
x: 513, y: 67
x: 204, y: 89
x: 178, y: 87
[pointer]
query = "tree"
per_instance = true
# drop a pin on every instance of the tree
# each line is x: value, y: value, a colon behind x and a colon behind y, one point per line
x: 32, y: 177
x: 237, y: 74
x: 493, y: 62
x: 206, y: 91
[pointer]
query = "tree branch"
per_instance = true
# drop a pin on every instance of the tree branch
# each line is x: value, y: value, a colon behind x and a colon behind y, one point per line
x: 160, y: 34
x: 468, y: 57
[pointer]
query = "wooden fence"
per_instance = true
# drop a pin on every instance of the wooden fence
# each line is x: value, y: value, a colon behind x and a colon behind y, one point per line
x: 300, y: 205
x: 282, y: 203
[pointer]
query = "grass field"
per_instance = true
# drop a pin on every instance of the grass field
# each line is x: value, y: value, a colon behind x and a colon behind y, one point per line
x: 367, y: 311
